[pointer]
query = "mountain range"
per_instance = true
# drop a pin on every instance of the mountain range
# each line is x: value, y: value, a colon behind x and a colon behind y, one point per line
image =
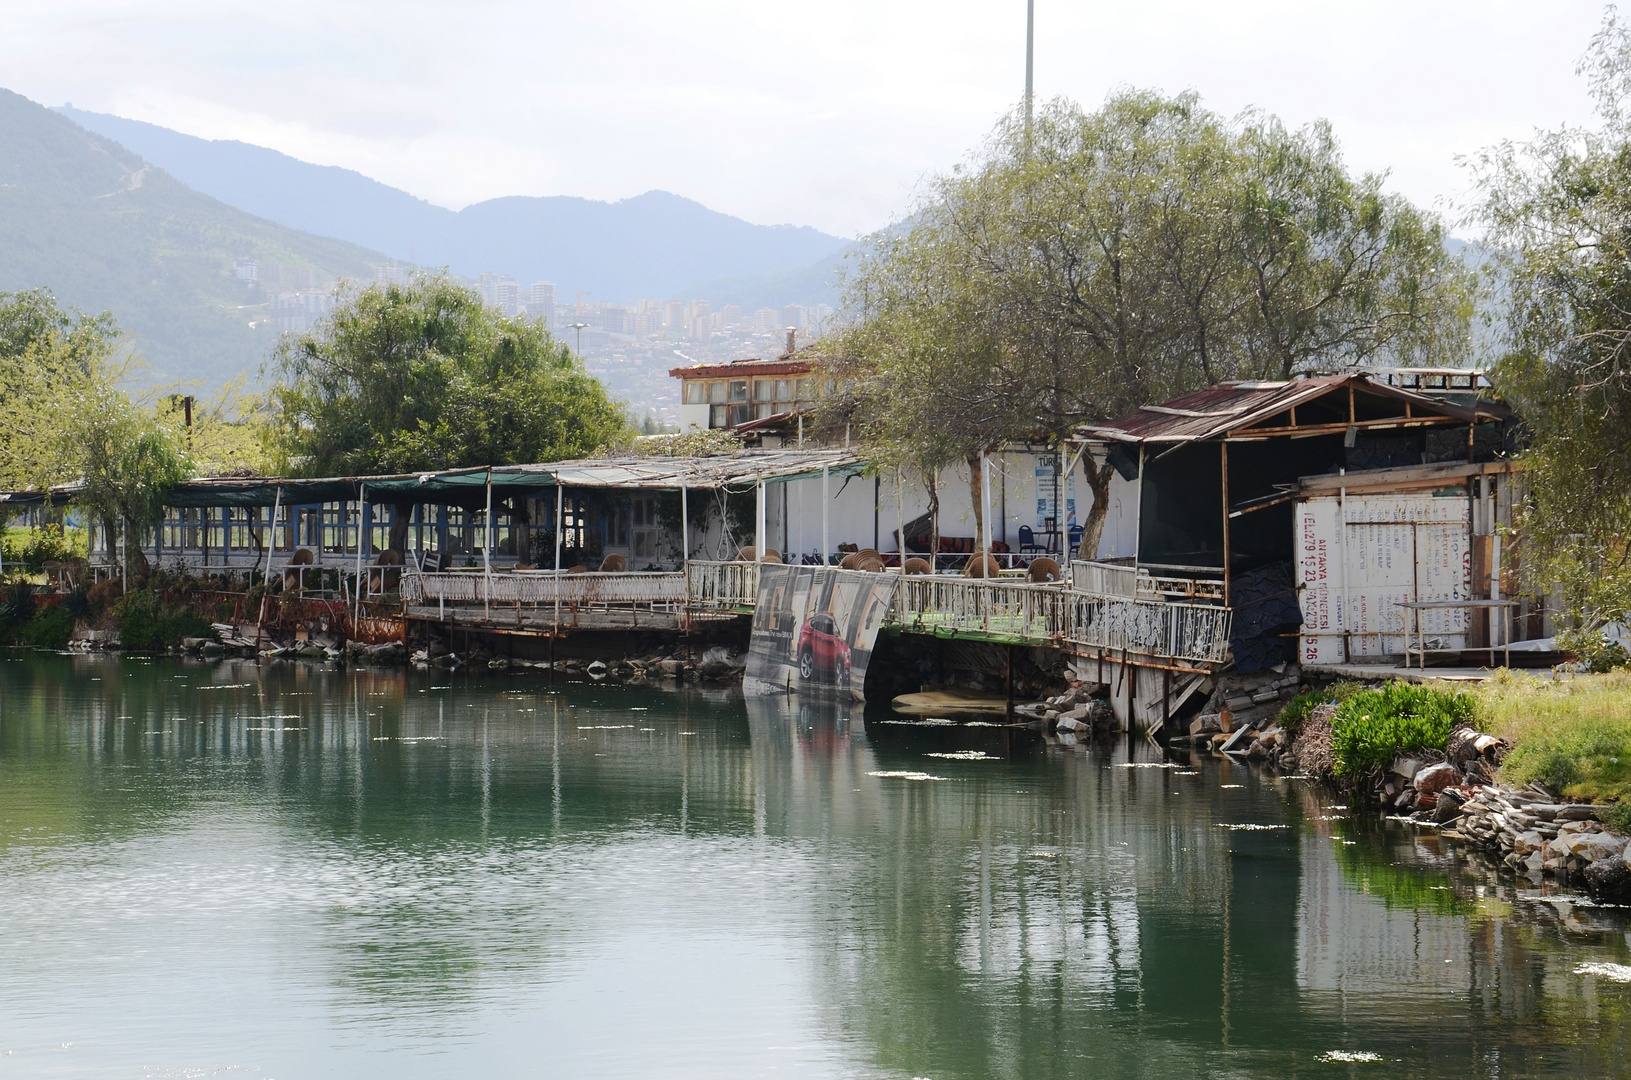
x: 652, y: 245
x: 107, y: 231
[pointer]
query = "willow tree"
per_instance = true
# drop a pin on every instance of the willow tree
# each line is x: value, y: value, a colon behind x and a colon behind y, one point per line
x: 1091, y: 262
x: 65, y: 417
x: 1557, y: 211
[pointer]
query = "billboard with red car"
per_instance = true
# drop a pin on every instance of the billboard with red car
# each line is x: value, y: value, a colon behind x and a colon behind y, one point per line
x: 814, y: 628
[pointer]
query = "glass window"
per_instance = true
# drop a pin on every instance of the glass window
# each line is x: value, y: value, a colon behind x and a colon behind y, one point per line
x: 696, y: 392
x: 716, y: 393
x: 832, y: 387
x: 716, y: 416
x: 763, y: 388
x: 739, y: 390
x: 784, y: 389
x: 806, y: 389
x: 763, y: 410
x: 740, y: 414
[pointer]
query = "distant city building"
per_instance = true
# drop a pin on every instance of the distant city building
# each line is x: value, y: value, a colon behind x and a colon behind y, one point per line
x: 616, y: 320
x: 297, y: 312
x: 507, y: 295
x: 245, y: 270
x: 730, y: 317
x: 701, y: 322
x: 765, y: 320
x: 305, y: 278
x: 541, y: 303
x: 392, y: 274
x: 794, y: 315
x: 674, y: 319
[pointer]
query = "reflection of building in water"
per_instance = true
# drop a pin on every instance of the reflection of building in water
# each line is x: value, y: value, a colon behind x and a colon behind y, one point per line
x: 1350, y: 940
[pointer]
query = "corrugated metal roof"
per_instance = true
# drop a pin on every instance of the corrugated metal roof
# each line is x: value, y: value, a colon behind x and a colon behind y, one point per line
x: 1218, y: 410
x: 738, y: 369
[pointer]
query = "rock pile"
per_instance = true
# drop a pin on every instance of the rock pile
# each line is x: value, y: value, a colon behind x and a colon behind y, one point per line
x: 1532, y: 832
x: 1076, y: 712
x: 717, y: 663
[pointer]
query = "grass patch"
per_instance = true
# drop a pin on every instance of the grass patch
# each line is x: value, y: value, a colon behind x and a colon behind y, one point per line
x: 1571, y: 734
x: 1373, y: 726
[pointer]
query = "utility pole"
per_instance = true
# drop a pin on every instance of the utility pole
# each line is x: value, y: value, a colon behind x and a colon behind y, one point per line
x: 578, y: 326
x: 1030, y: 54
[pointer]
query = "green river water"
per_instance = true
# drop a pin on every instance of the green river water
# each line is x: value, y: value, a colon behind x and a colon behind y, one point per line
x: 289, y: 871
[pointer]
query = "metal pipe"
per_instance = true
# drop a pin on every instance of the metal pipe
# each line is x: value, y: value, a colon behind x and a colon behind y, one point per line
x: 685, y: 532
x: 1342, y: 541
x: 900, y: 525
x: 985, y: 504
x: 271, y: 533
x: 560, y: 519
x: 826, y: 504
x: 487, y: 555
x: 362, y: 510
x: 759, y: 522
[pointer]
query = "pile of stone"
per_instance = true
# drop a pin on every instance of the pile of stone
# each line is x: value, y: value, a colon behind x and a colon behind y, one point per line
x: 1535, y: 833
x: 1076, y: 712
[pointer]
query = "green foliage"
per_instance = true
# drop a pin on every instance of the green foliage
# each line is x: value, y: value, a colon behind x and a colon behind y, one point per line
x: 147, y: 623
x: 1297, y: 709
x: 1087, y: 263
x: 423, y: 376
x: 1573, y: 735
x: 36, y: 546
x: 1556, y: 213
x: 17, y: 604
x: 1593, y: 649
x: 48, y: 629
x: 1373, y: 726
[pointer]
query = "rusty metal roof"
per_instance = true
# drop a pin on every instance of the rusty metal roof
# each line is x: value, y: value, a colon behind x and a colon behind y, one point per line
x: 740, y: 369
x: 1221, y: 411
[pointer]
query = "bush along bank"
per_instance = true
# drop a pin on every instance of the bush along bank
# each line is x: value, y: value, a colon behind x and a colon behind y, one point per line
x: 1418, y: 752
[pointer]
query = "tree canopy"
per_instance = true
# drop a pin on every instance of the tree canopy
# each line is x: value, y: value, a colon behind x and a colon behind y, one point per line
x: 67, y: 416
x: 1090, y: 262
x: 403, y: 377
x: 1557, y: 215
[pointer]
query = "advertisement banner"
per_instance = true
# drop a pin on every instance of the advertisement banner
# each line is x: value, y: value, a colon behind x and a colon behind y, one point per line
x: 814, y: 628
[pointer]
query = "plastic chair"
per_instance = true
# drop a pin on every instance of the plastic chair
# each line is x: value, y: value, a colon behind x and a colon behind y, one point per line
x: 1027, y: 540
x: 1076, y: 532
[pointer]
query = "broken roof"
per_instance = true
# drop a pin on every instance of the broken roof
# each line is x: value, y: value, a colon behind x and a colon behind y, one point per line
x: 1249, y: 410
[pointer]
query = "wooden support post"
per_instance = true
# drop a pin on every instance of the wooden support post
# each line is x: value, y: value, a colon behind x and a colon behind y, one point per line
x: 1223, y: 456
x: 759, y: 523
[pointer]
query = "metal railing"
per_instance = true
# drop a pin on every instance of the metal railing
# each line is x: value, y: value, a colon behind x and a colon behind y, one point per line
x: 721, y: 584
x: 540, y: 588
x: 1197, y: 632
x: 1137, y: 583
x: 1047, y: 614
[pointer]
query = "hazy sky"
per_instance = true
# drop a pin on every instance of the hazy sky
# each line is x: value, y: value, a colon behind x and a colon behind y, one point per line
x: 825, y: 114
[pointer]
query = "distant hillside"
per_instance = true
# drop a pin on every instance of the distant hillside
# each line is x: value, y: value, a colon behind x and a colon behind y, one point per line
x: 652, y: 245
x: 811, y: 285
x: 106, y: 231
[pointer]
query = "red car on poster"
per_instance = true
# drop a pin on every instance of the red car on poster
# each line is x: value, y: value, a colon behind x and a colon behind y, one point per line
x: 822, y: 649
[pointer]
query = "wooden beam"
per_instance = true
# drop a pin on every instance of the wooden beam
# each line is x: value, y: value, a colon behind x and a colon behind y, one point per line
x: 1333, y: 429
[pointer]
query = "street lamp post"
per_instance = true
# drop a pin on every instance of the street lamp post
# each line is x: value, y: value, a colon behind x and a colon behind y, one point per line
x: 578, y: 326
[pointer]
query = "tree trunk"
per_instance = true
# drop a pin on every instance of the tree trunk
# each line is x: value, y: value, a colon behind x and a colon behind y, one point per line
x: 976, y: 491
x: 1098, y: 481
x: 934, y: 522
x: 398, y: 539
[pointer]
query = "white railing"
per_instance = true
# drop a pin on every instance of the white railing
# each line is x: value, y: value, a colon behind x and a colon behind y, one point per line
x: 1045, y: 614
x: 540, y: 588
x: 1137, y: 583
x: 1104, y: 579
x: 1183, y: 631
x: 722, y: 584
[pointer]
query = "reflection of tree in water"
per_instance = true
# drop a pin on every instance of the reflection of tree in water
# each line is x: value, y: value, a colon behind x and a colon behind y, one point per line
x: 1073, y: 919
x: 444, y: 836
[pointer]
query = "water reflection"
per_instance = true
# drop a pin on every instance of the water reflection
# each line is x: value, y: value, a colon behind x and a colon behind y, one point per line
x: 383, y: 873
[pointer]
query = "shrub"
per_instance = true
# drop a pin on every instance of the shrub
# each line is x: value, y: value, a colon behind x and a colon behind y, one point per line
x: 1373, y: 726
x: 1297, y: 709
x: 1595, y: 652
x: 49, y: 629
x: 17, y: 605
x: 147, y: 623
